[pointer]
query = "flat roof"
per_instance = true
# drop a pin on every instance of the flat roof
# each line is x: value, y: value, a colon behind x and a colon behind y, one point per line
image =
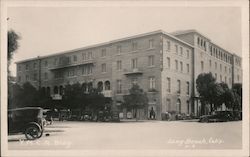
x: 107, y: 43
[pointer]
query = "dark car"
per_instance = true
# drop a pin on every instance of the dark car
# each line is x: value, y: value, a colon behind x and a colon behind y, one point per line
x: 115, y: 116
x: 27, y: 120
x: 218, y: 116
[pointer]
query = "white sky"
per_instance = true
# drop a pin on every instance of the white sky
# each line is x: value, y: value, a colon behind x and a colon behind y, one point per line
x: 47, y: 30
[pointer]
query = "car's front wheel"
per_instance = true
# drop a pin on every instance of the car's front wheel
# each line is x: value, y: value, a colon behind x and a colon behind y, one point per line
x: 33, y: 132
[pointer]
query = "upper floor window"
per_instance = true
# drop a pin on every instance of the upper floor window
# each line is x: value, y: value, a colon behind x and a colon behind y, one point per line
x: 104, y: 68
x: 151, y: 61
x: 168, y: 62
x: 90, y: 55
x: 215, y: 76
x: 178, y: 86
x: 187, y: 68
x: 181, y: 64
x: 19, y: 68
x: 202, y: 65
x: 27, y: 67
x: 210, y: 63
x: 188, y: 54
x: 151, y: 43
x: 134, y: 63
x: 34, y: 65
x: 176, y: 65
x: 220, y: 67
x: 151, y: 83
x: 198, y: 41
x: 188, y: 91
x: 119, y: 49
x: 19, y: 78
x: 168, y: 45
x: 55, y: 61
x: 35, y: 77
x: 176, y: 49
x: 75, y: 58
x: 84, y: 56
x: 181, y: 51
x: 45, y: 75
x: 119, y: 65
x: 168, y: 85
x: 215, y: 65
x: 134, y: 46
x: 45, y: 63
x: 103, y: 54
x: 225, y: 69
x: 27, y: 77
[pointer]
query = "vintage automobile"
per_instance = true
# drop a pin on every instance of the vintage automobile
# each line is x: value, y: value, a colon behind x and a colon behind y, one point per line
x: 218, y: 116
x: 27, y: 120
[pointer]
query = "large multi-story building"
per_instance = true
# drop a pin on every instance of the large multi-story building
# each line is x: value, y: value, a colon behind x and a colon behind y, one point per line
x: 164, y: 65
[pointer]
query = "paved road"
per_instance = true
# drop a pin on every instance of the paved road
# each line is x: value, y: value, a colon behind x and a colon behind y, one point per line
x: 134, y: 135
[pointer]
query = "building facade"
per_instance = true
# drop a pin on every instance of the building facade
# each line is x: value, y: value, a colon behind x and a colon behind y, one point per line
x: 164, y: 65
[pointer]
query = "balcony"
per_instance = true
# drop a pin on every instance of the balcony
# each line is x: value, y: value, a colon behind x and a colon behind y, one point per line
x: 107, y: 93
x: 61, y: 66
x: 137, y: 71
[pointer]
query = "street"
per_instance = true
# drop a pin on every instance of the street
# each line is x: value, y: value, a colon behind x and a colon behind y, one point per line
x: 134, y: 135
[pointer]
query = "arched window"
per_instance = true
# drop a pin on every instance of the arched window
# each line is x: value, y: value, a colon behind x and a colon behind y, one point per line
x: 107, y: 85
x: 84, y: 87
x: 100, y: 86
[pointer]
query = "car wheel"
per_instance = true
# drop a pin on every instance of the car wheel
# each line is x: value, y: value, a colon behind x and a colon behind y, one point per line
x: 33, y: 132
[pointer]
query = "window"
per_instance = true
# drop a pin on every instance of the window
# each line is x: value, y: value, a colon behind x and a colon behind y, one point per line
x: 225, y: 79
x: 229, y: 70
x: 134, y: 63
x: 45, y: 75
x: 176, y: 49
x: 27, y: 67
x: 187, y: 53
x: 198, y: 41
x: 151, y: 43
x: 238, y: 77
x: 178, y: 86
x: 151, y: 83
x: 84, y: 56
x: 75, y: 58
x: 34, y: 65
x: 181, y: 64
x: 168, y: 85
x: 202, y: 65
x: 225, y: 69
x: 168, y: 62
x: 27, y: 78
x: 215, y: 76
x: 134, y: 46
x: 188, y: 88
x: 119, y: 65
x: 176, y: 65
x: 220, y: 67
x: 187, y: 68
x: 119, y: 86
x: 103, y: 68
x: 19, y: 68
x: 215, y: 65
x: 45, y: 63
x: 103, y: 54
x: 181, y: 51
x: 220, y: 78
x: 210, y: 63
x: 55, y: 61
x: 118, y: 49
x: 84, y: 70
x: 151, y: 61
x: 89, y: 69
x: 90, y: 55
x: 168, y: 45
x: 35, y: 77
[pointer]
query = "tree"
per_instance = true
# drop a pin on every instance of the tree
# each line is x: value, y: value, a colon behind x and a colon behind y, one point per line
x: 207, y: 89
x: 237, y: 92
x: 136, y: 99
x: 13, y: 38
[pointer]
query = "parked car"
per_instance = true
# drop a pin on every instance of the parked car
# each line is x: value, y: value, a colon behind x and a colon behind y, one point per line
x: 87, y: 116
x: 27, y: 120
x: 115, y: 116
x: 218, y: 116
